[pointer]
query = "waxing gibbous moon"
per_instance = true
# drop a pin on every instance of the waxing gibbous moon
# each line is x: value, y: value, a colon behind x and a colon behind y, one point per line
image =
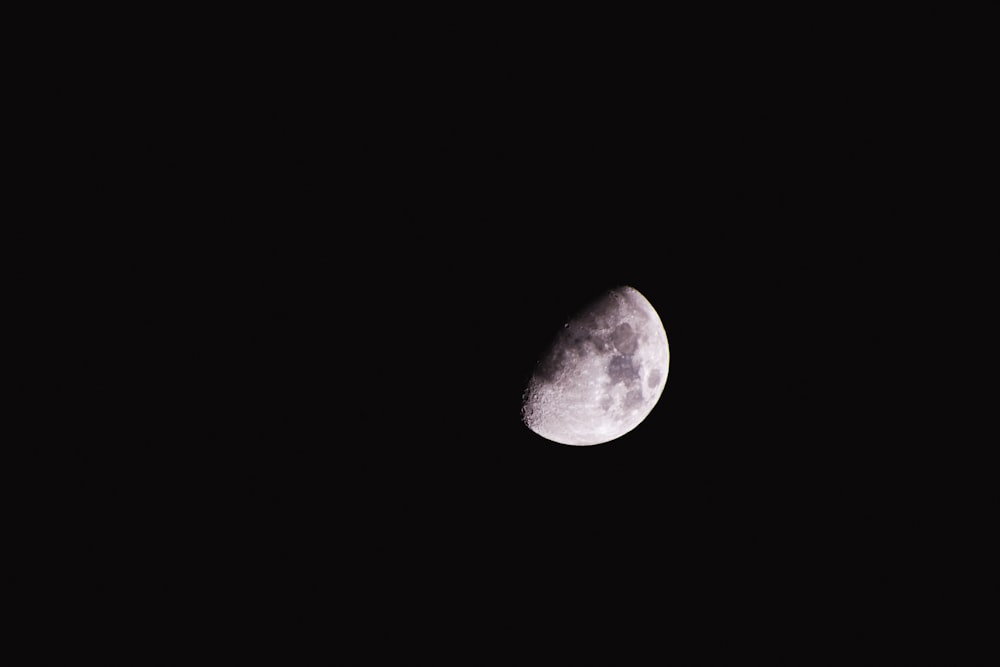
x: 603, y: 373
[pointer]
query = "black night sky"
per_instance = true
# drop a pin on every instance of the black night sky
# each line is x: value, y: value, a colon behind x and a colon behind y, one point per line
x: 380, y: 246
x: 422, y: 259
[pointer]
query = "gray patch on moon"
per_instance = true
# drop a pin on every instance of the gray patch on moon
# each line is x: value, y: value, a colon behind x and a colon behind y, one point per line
x: 625, y: 339
x: 633, y: 399
x: 620, y: 369
x: 654, y: 378
x: 580, y: 341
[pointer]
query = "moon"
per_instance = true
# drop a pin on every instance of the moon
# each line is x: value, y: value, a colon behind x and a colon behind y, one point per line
x: 603, y: 373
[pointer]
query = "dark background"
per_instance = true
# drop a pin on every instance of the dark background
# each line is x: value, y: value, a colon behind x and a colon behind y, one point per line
x: 437, y: 225
x: 353, y: 249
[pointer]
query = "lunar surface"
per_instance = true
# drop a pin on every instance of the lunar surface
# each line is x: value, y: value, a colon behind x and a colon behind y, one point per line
x: 603, y: 373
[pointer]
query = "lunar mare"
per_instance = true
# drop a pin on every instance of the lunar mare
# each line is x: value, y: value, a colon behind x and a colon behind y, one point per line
x: 603, y: 373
